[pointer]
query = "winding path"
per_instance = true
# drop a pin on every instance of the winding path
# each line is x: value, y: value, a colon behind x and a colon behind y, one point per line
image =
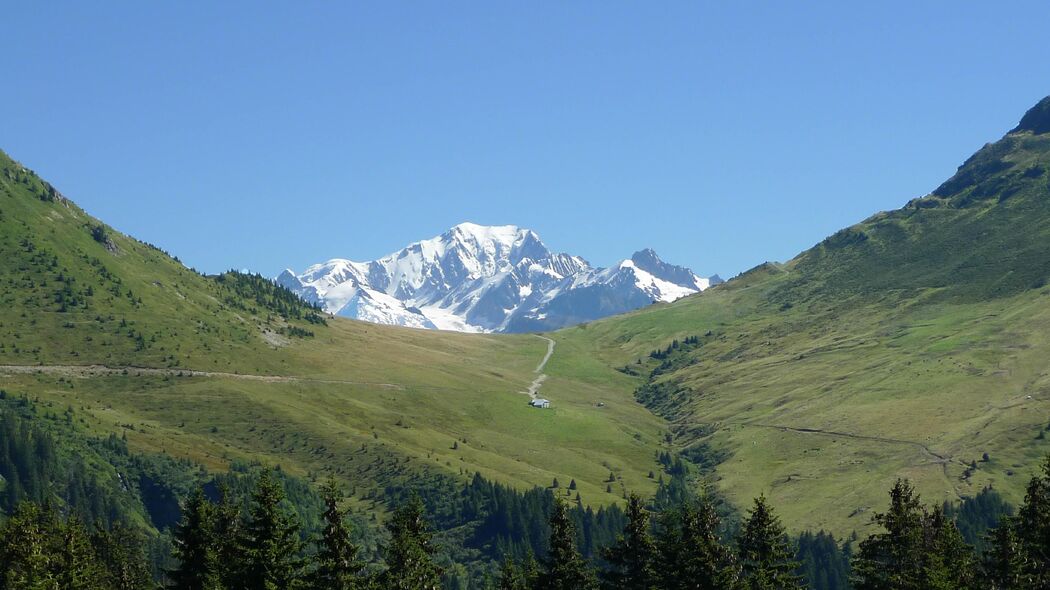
x: 935, y: 457
x: 534, y: 388
x: 87, y: 371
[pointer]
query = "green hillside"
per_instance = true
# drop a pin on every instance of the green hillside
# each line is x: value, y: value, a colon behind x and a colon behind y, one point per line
x: 910, y: 344
x: 222, y: 368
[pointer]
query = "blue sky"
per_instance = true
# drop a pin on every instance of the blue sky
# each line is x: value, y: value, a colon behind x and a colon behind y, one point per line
x: 722, y: 134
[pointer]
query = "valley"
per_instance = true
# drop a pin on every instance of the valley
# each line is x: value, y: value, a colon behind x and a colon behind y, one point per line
x: 897, y: 347
x: 276, y: 313
x: 189, y: 371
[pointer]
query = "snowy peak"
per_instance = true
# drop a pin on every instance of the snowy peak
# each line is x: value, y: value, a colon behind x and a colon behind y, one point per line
x: 647, y: 261
x: 481, y: 278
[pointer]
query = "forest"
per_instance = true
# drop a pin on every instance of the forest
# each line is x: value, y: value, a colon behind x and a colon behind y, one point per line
x: 117, y: 519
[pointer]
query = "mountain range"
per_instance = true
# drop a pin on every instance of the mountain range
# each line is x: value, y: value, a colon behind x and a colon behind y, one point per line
x: 476, y: 278
x: 910, y: 344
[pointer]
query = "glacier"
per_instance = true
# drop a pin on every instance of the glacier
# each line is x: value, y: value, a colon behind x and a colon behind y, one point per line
x: 477, y: 278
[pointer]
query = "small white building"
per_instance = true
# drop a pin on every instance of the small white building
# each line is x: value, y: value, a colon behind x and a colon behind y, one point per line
x: 540, y: 403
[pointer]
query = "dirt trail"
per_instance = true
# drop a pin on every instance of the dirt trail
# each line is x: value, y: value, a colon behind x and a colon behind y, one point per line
x: 103, y: 370
x: 534, y: 388
x: 935, y: 457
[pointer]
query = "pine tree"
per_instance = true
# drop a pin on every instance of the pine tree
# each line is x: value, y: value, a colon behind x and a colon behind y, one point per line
x: 270, y: 543
x: 13, y: 491
x: 230, y: 561
x: 78, y: 567
x: 893, y: 559
x: 691, y: 553
x: 410, y: 556
x: 1004, y: 563
x: 195, y: 547
x: 530, y: 571
x: 123, y: 559
x: 766, y: 557
x: 632, y: 560
x: 948, y: 562
x: 29, y: 549
x: 824, y: 565
x: 337, y: 565
x: 510, y: 577
x: 1032, y: 527
x: 564, y: 568
x: 920, y: 550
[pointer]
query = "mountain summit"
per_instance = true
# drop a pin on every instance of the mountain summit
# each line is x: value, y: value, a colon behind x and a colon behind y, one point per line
x: 1036, y: 120
x: 476, y: 278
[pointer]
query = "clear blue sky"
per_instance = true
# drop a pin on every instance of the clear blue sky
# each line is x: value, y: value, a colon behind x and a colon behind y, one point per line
x: 722, y: 134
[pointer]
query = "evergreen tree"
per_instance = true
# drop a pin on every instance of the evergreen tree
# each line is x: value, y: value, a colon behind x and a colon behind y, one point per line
x: 530, y: 571
x: 195, y: 547
x: 337, y: 565
x: 13, y: 492
x: 632, y: 560
x: 765, y: 553
x: 1032, y: 527
x: 28, y: 549
x: 510, y: 577
x: 948, y: 562
x: 410, y: 556
x: 228, y: 532
x: 1004, y: 564
x: 123, y: 558
x: 78, y: 568
x: 518, y: 576
x: 270, y: 543
x: 893, y: 559
x: 692, y: 556
x: 920, y: 550
x: 824, y: 565
x: 976, y: 516
x: 564, y: 568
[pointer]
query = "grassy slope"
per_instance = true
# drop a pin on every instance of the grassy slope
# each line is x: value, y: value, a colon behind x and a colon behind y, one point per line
x: 906, y: 345
x: 921, y: 333
x: 374, y: 405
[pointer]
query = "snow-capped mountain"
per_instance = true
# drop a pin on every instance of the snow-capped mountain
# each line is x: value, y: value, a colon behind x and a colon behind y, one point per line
x: 476, y: 278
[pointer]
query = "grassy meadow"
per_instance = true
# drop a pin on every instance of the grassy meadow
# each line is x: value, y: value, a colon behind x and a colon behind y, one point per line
x: 913, y: 344
x: 369, y: 405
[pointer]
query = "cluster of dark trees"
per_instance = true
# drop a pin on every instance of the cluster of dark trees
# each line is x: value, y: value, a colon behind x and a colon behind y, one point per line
x: 662, y: 354
x: 495, y: 521
x: 31, y: 470
x: 217, y: 546
x: 78, y: 504
x: 224, y: 546
x: 244, y: 289
x: 40, y: 549
x: 919, y: 548
x: 923, y: 548
x: 685, y: 551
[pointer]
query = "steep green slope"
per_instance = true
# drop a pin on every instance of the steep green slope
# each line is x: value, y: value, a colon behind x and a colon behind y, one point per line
x: 910, y: 344
x: 75, y: 291
x: 229, y: 367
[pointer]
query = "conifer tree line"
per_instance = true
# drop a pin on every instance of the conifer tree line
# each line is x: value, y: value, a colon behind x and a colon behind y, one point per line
x: 41, y: 550
x: 243, y: 289
x: 220, y: 547
x: 917, y: 548
x: 223, y: 546
x: 66, y: 528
